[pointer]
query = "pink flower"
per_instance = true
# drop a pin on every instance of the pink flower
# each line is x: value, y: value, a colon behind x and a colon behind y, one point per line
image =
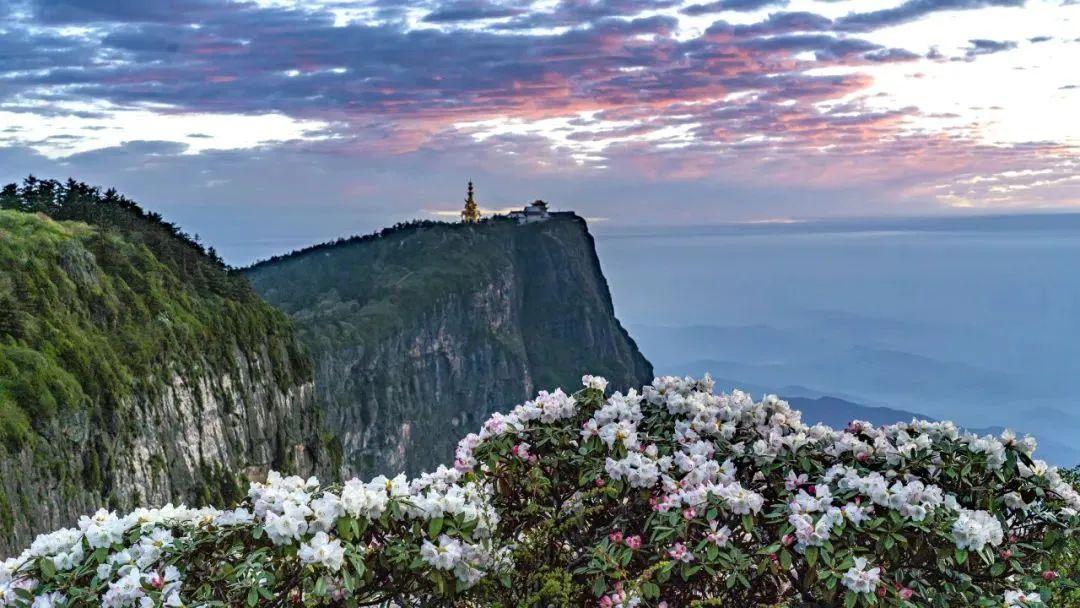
x: 905, y: 593
x: 1049, y: 575
x: 605, y: 602
x: 680, y: 553
x: 634, y: 542
x: 156, y: 580
x: 689, y: 513
x: 616, y: 537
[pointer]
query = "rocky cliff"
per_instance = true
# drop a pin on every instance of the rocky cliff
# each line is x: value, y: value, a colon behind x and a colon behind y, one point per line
x: 133, y: 369
x: 420, y: 332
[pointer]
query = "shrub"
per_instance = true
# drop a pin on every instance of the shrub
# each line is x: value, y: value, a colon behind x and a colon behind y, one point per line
x: 669, y: 497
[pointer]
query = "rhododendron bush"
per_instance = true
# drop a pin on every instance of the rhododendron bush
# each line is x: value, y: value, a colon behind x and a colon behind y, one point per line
x: 671, y: 496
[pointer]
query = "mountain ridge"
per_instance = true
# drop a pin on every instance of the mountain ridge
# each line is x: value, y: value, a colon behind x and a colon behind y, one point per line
x: 133, y: 368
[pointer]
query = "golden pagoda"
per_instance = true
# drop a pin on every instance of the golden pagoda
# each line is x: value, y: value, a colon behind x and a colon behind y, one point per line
x: 471, y: 214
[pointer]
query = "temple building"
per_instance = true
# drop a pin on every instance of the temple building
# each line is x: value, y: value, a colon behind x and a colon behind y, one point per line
x: 536, y: 212
x: 471, y: 213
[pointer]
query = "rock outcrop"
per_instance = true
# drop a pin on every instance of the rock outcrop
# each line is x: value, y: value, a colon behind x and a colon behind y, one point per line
x: 419, y: 333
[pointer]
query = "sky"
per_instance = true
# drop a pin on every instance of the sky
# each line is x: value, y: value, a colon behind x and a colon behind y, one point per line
x: 268, y: 124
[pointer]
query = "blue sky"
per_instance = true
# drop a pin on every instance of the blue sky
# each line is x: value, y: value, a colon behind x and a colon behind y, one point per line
x: 252, y: 120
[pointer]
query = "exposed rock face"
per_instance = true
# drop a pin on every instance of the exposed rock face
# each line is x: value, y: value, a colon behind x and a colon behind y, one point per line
x: 195, y: 441
x: 422, y: 332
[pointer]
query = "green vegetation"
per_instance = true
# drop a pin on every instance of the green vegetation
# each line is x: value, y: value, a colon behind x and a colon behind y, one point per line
x: 100, y: 300
x: 362, y: 289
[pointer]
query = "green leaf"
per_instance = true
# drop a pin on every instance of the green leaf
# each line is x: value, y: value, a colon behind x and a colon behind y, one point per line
x: 434, y: 527
x: 252, y: 596
x: 344, y: 528
x: 785, y: 559
x: 961, y: 556
x: 650, y: 590
x: 811, y: 556
x: 47, y: 567
x: 599, y: 586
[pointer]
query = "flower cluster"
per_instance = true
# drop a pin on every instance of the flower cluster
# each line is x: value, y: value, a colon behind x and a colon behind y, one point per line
x: 976, y: 529
x: 129, y: 560
x: 860, y: 579
x: 652, y: 498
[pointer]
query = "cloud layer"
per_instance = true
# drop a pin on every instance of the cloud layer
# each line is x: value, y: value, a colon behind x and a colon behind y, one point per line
x: 690, y: 99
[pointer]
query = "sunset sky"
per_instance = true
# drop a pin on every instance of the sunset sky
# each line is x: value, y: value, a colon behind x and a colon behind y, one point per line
x: 314, y: 118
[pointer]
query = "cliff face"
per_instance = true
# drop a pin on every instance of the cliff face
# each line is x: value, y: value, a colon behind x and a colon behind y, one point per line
x: 420, y: 333
x: 126, y: 380
x: 196, y: 440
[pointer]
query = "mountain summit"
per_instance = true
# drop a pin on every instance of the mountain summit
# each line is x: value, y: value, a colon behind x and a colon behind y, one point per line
x: 427, y: 328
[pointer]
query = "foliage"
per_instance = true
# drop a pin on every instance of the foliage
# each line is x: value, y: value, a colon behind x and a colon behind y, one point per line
x: 360, y: 289
x: 98, y: 315
x: 1065, y: 563
x: 88, y: 314
x: 193, y: 264
x: 669, y: 497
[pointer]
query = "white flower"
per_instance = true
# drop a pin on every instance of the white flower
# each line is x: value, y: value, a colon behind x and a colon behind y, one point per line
x: 49, y: 600
x: 594, y: 382
x: 236, y: 517
x: 718, y: 536
x: 975, y: 529
x: 327, y: 509
x: 125, y: 591
x: 1019, y: 599
x: 323, y: 551
x: 103, y: 529
x: 861, y: 580
x: 1014, y: 501
x: 443, y: 556
x: 623, y: 431
x: 637, y: 469
x: 290, y: 525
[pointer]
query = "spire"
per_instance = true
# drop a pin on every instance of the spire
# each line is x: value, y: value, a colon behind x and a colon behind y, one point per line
x: 471, y: 213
